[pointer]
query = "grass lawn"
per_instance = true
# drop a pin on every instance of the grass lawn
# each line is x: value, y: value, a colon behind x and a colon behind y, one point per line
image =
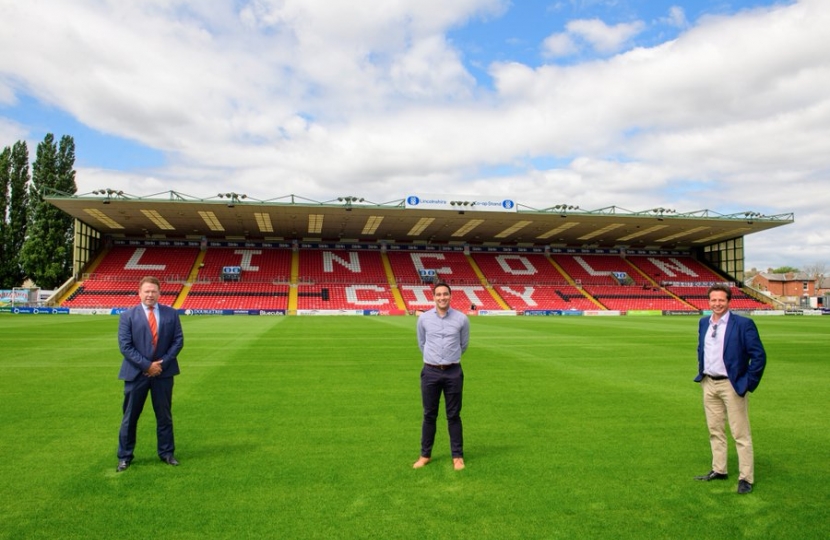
x: 306, y: 427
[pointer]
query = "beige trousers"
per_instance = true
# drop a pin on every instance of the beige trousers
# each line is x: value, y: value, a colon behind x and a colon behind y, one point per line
x: 721, y: 403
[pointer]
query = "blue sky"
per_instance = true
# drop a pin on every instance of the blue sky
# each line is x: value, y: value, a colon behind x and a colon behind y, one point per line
x: 95, y: 148
x: 631, y: 103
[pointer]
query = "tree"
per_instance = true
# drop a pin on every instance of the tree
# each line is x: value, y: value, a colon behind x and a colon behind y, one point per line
x: 14, y: 180
x: 785, y: 270
x: 5, y: 171
x: 47, y: 252
x: 816, y: 271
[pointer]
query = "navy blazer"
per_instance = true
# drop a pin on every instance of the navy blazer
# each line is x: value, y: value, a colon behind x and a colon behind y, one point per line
x: 743, y: 353
x: 136, y: 342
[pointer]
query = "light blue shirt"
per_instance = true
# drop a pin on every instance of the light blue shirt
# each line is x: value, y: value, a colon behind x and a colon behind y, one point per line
x: 713, y: 347
x: 156, y: 312
x: 443, y: 340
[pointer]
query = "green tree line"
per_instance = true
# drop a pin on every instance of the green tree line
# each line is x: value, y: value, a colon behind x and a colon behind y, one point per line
x: 36, y: 237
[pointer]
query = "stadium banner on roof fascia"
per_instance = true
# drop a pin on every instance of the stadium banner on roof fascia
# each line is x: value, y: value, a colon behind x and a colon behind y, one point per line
x: 426, y: 201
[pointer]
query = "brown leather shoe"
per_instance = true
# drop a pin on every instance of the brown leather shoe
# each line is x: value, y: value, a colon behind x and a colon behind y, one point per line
x: 421, y: 462
x: 458, y: 463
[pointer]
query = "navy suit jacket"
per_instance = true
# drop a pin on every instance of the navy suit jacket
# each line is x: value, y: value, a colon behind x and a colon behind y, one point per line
x: 743, y: 353
x: 136, y: 342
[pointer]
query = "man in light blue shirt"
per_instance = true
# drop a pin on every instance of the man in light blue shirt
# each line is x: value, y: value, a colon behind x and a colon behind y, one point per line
x: 731, y: 361
x: 443, y: 336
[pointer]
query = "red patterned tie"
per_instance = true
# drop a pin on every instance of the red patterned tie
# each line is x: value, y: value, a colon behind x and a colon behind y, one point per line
x: 151, y: 317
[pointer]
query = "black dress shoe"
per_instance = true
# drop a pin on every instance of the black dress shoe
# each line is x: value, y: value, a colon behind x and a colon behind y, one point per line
x: 170, y: 460
x: 122, y: 465
x: 744, y: 487
x: 712, y: 475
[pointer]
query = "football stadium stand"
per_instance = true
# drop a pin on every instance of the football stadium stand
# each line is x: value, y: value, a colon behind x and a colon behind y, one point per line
x: 237, y: 295
x: 256, y: 265
x: 345, y: 297
x: 343, y: 279
x: 562, y: 297
x: 115, y: 294
x: 114, y: 282
x: 129, y: 263
x: 262, y: 282
x: 450, y: 267
x: 464, y: 297
x: 518, y: 269
x: 342, y: 266
x: 674, y: 269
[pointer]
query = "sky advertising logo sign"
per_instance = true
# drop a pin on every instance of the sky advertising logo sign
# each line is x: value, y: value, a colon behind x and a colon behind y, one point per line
x: 460, y: 203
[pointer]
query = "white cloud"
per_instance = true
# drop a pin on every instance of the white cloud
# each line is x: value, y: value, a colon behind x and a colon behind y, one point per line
x: 603, y: 38
x: 593, y: 34
x: 10, y: 132
x: 676, y: 17
x: 313, y: 97
x: 431, y: 69
x: 559, y: 45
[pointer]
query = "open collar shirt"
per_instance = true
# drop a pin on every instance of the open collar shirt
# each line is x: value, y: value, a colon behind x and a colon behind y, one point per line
x: 713, y: 347
x: 443, y: 340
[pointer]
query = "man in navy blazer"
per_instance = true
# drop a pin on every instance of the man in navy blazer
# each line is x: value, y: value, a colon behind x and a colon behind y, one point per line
x: 149, y: 365
x: 731, y: 361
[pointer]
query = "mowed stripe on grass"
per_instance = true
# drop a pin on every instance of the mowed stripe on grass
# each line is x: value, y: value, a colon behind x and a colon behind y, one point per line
x: 306, y: 427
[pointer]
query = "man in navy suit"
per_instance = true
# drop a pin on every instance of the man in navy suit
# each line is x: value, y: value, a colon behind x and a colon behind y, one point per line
x: 150, y: 338
x: 731, y: 361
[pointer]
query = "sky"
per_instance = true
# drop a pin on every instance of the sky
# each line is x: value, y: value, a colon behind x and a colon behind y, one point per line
x: 687, y: 105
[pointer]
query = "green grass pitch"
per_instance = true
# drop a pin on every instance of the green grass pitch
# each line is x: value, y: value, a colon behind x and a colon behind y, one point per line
x: 306, y: 427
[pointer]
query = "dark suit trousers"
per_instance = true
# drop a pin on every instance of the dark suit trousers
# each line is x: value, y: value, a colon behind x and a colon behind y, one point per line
x: 135, y: 395
x: 450, y: 382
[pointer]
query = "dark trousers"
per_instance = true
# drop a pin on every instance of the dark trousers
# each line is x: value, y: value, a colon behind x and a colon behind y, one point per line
x: 433, y: 382
x: 135, y: 395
